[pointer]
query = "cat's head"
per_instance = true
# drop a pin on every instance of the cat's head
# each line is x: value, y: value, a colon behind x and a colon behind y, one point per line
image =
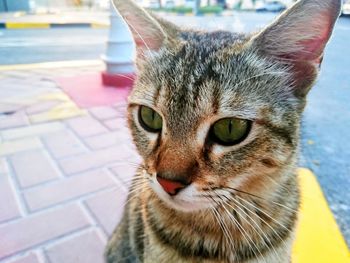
x: 219, y: 111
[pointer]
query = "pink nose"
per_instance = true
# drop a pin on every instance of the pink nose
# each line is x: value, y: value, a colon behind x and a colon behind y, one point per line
x: 169, y: 186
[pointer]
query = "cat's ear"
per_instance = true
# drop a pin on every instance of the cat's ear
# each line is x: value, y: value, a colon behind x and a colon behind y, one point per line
x: 300, y: 35
x: 149, y: 32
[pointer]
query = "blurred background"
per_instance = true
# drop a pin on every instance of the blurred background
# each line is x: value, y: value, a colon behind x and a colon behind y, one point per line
x: 66, y: 155
x: 34, y: 5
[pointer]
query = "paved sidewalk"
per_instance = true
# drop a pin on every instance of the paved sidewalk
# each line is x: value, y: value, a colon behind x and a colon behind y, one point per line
x: 61, y: 170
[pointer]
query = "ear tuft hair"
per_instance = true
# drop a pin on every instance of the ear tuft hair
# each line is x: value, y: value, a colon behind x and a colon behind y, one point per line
x: 149, y: 32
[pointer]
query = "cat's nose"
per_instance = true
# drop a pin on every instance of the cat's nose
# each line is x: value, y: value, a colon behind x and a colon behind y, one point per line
x: 170, y: 186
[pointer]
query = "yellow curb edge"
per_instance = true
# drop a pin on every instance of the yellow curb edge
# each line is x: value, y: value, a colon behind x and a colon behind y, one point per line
x: 318, y: 238
x: 31, y: 25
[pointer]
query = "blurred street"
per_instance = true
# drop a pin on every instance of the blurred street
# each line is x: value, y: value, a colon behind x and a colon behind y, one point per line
x: 42, y: 45
x: 33, y: 46
x: 40, y: 124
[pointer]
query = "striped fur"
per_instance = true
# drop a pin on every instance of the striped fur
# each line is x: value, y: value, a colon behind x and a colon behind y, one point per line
x: 242, y: 201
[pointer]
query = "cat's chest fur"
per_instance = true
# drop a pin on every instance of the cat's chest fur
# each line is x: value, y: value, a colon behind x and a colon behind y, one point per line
x: 156, y: 252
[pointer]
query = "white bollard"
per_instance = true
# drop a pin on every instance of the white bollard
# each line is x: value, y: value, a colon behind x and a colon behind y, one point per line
x: 120, y: 53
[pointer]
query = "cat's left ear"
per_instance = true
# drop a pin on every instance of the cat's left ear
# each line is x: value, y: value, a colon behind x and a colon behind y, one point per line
x: 299, y: 37
x: 150, y: 33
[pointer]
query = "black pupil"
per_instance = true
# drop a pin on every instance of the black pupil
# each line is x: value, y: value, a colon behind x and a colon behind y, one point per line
x: 230, y: 127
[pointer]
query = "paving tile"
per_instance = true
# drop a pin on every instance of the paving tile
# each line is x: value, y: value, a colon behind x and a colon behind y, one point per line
x: 96, y: 159
x: 30, y: 258
x: 16, y: 146
x: 33, y: 167
x: 3, y: 166
x: 47, y: 84
x: 9, y: 108
x: 33, y: 130
x: 67, y: 189
x: 8, y: 204
x: 85, y: 248
x: 15, y: 120
x: 116, y: 124
x: 86, y: 126
x: 121, y: 107
x: 125, y: 172
x: 18, y: 74
x: 39, y: 228
x: 104, y: 112
x: 63, y: 144
x: 108, y: 208
x: 14, y: 97
x: 105, y: 140
x: 42, y: 106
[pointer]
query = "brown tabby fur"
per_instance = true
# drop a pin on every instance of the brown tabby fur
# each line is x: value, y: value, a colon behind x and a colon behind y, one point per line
x: 242, y: 201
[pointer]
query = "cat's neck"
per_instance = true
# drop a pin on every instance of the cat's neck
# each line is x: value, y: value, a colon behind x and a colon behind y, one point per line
x: 251, y: 226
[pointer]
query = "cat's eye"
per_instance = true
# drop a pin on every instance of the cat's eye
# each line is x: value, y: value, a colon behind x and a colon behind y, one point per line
x: 229, y: 131
x: 149, y: 119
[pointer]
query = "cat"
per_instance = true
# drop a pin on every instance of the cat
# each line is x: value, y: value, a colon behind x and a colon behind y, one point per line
x: 215, y: 117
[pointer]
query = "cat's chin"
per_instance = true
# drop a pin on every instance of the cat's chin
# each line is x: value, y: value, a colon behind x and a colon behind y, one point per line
x: 183, y: 201
x: 183, y: 205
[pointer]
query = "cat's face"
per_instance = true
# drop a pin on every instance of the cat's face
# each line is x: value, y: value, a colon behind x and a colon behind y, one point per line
x: 224, y: 121
x: 218, y: 112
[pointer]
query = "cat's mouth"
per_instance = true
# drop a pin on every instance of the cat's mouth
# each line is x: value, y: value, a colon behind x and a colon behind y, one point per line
x: 186, y: 200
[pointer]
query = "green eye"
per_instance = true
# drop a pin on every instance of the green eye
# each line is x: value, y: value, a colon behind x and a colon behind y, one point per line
x: 230, y: 131
x: 150, y: 120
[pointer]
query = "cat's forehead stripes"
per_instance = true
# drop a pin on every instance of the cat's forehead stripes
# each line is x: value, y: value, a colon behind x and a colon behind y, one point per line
x: 200, y: 80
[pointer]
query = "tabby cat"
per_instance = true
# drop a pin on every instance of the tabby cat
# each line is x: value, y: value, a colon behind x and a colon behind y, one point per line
x: 215, y: 117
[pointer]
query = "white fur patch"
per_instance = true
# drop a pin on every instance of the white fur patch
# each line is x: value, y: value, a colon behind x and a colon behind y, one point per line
x: 187, y: 200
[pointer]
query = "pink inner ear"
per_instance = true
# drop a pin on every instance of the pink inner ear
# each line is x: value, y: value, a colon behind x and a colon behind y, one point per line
x: 313, y: 48
x: 147, y: 43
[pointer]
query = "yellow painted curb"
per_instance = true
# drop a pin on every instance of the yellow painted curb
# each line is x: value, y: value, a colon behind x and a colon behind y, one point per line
x: 318, y: 239
x: 63, y: 111
x: 17, y: 25
x: 48, y: 65
x: 58, y: 95
x: 66, y: 109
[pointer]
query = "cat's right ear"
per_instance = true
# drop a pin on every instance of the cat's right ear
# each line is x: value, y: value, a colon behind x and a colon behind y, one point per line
x: 149, y: 32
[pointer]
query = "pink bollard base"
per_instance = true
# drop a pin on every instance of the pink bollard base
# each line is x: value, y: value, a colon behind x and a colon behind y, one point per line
x: 118, y: 80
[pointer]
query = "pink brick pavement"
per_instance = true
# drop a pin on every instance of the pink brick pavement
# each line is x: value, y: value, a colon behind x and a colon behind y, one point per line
x: 63, y: 181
